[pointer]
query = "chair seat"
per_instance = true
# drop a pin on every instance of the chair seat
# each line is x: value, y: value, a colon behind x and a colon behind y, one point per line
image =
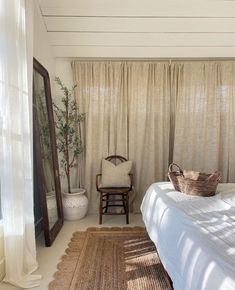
x: 114, y: 190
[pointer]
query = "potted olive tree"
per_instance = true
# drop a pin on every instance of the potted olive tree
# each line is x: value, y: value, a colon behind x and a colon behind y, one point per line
x: 69, y: 144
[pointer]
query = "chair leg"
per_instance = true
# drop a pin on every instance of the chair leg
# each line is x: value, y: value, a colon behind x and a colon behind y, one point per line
x: 101, y: 210
x: 127, y: 208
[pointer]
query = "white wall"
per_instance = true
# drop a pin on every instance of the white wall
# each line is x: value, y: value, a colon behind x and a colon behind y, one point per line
x: 42, y: 48
x: 64, y: 71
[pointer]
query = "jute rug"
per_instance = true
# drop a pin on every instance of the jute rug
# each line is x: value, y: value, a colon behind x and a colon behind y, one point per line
x: 110, y: 259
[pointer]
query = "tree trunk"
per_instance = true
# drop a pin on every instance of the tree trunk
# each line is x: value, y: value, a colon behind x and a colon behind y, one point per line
x: 68, y: 179
x: 66, y: 144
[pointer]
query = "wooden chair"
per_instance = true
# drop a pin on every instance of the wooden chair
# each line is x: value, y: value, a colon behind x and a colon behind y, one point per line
x: 114, y: 196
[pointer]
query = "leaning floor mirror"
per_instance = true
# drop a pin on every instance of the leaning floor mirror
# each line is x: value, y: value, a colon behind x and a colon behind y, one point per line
x: 47, y: 191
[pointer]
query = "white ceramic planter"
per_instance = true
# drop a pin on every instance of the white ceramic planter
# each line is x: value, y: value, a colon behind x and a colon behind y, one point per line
x: 75, y: 204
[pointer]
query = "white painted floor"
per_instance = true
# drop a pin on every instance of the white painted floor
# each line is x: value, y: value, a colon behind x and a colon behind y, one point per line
x: 49, y: 257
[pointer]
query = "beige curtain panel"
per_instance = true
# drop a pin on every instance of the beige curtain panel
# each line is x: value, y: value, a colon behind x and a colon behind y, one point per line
x: 126, y: 106
x: 154, y: 113
x: 204, y: 137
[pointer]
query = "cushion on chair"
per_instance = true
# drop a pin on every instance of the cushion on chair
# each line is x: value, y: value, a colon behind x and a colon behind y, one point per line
x: 115, y: 175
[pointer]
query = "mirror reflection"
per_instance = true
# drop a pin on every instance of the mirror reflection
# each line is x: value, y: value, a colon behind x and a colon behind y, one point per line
x: 46, y: 148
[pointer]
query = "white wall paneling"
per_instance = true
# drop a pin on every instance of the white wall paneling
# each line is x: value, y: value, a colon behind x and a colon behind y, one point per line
x: 137, y: 25
x: 139, y: 8
x: 136, y: 28
x: 142, y: 52
x: 142, y: 39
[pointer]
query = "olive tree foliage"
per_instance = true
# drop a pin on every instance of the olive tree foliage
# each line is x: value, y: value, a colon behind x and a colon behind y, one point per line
x: 68, y: 129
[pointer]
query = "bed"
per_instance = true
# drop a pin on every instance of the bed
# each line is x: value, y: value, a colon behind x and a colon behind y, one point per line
x: 194, y: 236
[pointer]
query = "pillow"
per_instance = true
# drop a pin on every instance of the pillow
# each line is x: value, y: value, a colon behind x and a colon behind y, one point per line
x: 115, y: 175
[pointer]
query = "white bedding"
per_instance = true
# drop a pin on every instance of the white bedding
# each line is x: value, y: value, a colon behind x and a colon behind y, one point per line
x: 194, y: 236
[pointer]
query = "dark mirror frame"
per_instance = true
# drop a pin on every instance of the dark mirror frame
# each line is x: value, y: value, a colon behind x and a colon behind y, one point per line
x: 49, y: 234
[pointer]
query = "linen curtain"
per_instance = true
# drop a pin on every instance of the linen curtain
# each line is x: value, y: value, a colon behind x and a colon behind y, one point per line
x: 204, y: 135
x: 16, y: 170
x: 126, y: 106
x: 155, y: 113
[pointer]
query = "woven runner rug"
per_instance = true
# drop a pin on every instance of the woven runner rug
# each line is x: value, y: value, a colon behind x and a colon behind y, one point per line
x: 110, y: 259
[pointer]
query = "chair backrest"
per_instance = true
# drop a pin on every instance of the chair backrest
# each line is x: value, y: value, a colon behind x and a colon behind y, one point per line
x: 116, y: 159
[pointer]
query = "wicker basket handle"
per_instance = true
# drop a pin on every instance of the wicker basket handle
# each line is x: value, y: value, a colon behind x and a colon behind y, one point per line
x: 174, y: 164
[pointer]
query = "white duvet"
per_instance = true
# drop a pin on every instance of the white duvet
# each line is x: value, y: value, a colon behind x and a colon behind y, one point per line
x: 194, y: 236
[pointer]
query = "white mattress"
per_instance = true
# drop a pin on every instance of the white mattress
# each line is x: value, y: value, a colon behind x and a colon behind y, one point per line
x: 194, y: 236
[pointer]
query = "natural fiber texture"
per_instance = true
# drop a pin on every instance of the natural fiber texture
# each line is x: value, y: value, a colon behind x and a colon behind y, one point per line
x: 110, y: 259
x: 173, y: 175
x: 193, y: 182
x: 205, y: 185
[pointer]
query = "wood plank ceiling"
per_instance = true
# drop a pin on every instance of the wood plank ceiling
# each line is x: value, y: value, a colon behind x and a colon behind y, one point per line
x: 140, y: 29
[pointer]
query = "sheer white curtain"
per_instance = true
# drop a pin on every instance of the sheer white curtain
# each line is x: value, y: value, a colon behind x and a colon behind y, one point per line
x: 204, y: 135
x: 16, y: 172
x: 126, y: 106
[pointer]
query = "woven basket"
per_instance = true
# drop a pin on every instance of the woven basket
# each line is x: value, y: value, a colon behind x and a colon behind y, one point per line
x: 173, y: 175
x: 194, y: 183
